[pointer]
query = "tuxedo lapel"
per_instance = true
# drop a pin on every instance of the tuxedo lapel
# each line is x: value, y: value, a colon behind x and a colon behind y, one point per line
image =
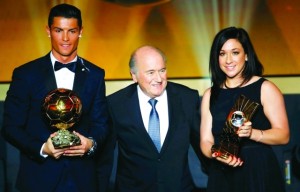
x: 80, y: 77
x: 174, y: 106
x: 50, y: 82
x: 48, y: 73
x: 134, y: 107
x: 134, y: 111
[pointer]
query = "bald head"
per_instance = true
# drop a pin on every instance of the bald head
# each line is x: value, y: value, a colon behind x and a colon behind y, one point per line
x: 142, y: 53
x: 148, y: 69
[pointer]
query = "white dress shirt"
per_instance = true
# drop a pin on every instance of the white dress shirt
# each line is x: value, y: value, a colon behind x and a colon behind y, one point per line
x: 161, y: 108
x: 64, y: 77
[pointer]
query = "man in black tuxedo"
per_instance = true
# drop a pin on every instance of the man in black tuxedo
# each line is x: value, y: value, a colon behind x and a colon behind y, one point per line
x: 42, y: 167
x: 158, y: 164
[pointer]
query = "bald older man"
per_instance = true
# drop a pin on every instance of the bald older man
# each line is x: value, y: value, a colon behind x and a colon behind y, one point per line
x: 154, y: 122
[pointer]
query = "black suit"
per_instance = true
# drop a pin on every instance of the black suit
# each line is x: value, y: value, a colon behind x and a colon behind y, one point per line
x: 140, y: 167
x: 24, y: 127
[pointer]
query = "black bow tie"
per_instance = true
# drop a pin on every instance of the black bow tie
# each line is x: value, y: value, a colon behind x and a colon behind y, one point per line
x: 71, y: 66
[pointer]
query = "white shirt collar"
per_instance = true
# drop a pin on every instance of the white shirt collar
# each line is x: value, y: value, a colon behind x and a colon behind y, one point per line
x: 145, y: 98
x: 53, y: 59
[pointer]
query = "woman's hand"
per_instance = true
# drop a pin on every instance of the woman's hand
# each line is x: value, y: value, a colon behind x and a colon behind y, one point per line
x: 245, y: 130
x: 230, y: 160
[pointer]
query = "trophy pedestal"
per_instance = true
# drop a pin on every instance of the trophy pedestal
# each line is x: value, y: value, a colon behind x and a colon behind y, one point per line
x: 65, y: 138
x: 224, y: 149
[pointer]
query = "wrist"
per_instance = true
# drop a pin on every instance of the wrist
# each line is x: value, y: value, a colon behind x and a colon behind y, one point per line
x: 92, y: 150
x: 260, y: 136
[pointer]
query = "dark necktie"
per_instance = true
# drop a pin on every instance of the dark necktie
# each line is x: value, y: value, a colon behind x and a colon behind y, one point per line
x: 71, y: 66
x: 153, y: 128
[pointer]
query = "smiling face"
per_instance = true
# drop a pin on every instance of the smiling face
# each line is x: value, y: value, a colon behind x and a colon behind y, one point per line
x: 150, y: 72
x: 232, y: 58
x: 64, y: 34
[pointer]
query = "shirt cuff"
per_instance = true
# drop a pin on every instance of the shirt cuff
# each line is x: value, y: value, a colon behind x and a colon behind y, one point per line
x: 41, y: 152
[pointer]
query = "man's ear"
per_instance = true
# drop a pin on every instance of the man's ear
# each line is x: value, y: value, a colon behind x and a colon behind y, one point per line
x: 80, y: 33
x: 48, y: 31
x: 133, y: 75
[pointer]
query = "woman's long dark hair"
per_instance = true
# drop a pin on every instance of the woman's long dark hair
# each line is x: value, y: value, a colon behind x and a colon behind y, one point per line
x: 252, y: 66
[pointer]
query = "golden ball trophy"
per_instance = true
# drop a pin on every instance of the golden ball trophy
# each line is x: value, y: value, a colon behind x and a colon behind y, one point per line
x: 62, y: 109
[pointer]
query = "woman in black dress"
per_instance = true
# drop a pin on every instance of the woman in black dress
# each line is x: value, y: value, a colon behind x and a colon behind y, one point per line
x: 235, y: 70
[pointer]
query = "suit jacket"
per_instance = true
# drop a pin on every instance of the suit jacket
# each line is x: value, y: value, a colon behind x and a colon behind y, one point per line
x: 140, y: 166
x: 23, y: 125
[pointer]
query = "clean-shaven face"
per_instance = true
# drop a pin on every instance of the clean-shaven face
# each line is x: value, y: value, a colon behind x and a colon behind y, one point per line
x: 151, y: 72
x: 64, y: 34
x: 232, y: 58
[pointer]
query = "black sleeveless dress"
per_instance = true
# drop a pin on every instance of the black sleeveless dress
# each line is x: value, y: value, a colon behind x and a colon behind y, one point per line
x: 260, y: 171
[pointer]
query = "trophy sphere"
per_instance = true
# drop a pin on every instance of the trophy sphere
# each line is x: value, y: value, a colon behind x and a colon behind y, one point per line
x: 237, y: 118
x: 62, y: 108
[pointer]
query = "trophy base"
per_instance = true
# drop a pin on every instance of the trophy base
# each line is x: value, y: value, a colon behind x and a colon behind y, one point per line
x: 65, y: 138
x: 224, y: 150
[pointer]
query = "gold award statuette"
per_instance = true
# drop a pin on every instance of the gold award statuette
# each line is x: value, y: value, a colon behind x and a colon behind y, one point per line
x: 242, y: 111
x: 62, y: 109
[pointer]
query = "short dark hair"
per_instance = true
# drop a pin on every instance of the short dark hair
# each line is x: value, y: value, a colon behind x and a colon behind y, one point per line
x: 66, y: 11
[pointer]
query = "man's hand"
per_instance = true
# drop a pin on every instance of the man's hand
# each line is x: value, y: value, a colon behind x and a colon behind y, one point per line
x: 81, y: 149
x: 50, y: 150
